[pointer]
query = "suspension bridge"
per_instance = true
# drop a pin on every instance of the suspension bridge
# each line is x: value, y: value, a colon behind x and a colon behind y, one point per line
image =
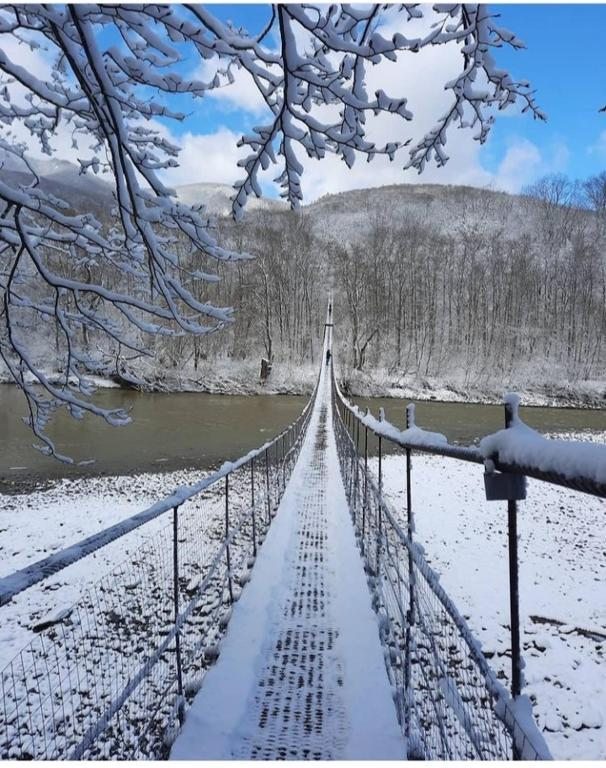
x: 281, y: 610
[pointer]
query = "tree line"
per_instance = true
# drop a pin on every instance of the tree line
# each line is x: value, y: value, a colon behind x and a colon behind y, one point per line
x: 420, y: 299
x: 480, y: 296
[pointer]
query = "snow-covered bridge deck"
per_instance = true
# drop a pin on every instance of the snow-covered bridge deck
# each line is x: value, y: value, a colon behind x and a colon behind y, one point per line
x: 301, y: 672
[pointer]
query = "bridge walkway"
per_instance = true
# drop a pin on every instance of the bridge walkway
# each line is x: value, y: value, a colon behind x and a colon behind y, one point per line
x: 301, y: 673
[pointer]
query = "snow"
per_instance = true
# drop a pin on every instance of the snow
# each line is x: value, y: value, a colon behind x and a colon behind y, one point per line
x: 223, y: 720
x: 562, y: 595
x: 413, y: 435
x: 40, y: 523
x: 525, y: 447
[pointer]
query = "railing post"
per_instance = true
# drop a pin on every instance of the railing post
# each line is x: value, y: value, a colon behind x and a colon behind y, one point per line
x: 227, y: 547
x: 252, y: 504
x: 357, y: 473
x: 411, y: 606
x: 365, y: 499
x: 267, y: 486
x: 514, y: 597
x: 380, y: 522
x: 283, y: 466
x: 180, y: 706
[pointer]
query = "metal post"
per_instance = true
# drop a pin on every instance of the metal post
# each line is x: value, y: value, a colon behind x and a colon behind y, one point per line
x: 267, y: 486
x: 411, y: 605
x: 252, y: 503
x: 180, y: 708
x: 283, y: 466
x: 514, y: 595
x: 365, y: 499
x: 380, y: 525
x: 227, y: 548
x: 512, y: 529
x: 357, y: 474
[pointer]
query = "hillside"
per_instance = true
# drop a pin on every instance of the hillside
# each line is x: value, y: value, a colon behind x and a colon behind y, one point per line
x: 91, y: 193
x: 443, y: 292
x: 216, y: 198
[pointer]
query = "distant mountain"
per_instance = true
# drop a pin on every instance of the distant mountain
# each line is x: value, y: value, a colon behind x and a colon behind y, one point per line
x: 83, y: 192
x: 344, y: 216
x: 89, y: 192
x: 217, y: 199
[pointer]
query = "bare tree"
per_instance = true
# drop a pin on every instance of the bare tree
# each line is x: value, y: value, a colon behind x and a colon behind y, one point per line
x: 114, y: 69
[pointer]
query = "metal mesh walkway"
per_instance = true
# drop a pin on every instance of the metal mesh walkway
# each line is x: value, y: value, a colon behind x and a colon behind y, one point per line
x: 301, y: 673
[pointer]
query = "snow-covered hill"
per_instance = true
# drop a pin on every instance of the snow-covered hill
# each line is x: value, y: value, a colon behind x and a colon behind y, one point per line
x: 85, y: 192
x: 449, y: 209
x: 216, y: 198
x: 93, y: 193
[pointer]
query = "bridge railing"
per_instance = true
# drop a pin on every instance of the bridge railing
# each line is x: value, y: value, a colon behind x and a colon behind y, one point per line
x: 449, y: 702
x: 110, y: 677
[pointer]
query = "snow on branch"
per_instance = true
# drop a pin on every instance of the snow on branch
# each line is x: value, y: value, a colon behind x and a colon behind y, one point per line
x: 108, y: 286
x: 116, y: 75
x: 316, y: 85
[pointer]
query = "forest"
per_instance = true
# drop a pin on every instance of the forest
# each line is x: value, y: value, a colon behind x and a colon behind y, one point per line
x: 496, y: 286
x: 434, y: 286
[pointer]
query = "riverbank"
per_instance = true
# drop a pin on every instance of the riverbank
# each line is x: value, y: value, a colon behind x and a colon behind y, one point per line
x: 455, y: 389
x: 546, y: 388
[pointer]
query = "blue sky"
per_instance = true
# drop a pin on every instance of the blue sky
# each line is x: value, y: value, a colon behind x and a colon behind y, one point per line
x: 563, y: 61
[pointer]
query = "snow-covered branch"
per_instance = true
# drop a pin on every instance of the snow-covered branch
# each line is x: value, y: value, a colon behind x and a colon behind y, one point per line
x: 116, y: 76
x: 107, y: 284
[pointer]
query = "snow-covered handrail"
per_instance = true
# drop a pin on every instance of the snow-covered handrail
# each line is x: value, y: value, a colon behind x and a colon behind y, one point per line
x: 518, y: 450
x: 428, y: 642
x: 17, y: 582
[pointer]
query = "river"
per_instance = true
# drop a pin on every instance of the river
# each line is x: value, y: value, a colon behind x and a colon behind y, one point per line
x: 173, y: 431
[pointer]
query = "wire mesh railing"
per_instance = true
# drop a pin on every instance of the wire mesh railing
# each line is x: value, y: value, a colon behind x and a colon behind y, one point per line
x: 449, y: 702
x: 111, y: 677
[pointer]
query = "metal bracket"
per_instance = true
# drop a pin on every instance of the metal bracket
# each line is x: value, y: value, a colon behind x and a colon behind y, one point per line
x: 503, y: 486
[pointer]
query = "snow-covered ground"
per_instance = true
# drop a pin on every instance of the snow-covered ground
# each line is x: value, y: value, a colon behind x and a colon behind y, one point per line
x: 562, y: 589
x: 33, y: 526
x: 562, y: 569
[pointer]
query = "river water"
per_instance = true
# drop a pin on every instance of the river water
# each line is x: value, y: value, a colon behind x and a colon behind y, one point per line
x: 173, y: 431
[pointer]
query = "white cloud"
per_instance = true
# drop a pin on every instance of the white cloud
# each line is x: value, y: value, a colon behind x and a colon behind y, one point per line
x: 598, y: 148
x: 241, y: 94
x: 521, y: 165
x: 209, y: 158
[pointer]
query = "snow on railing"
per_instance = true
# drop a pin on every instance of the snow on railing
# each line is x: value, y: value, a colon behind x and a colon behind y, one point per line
x: 517, y: 449
x: 520, y: 446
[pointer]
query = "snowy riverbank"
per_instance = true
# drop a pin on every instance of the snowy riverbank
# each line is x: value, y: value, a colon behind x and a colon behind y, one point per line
x: 456, y: 389
x: 562, y: 568
x: 562, y: 595
x: 229, y: 377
